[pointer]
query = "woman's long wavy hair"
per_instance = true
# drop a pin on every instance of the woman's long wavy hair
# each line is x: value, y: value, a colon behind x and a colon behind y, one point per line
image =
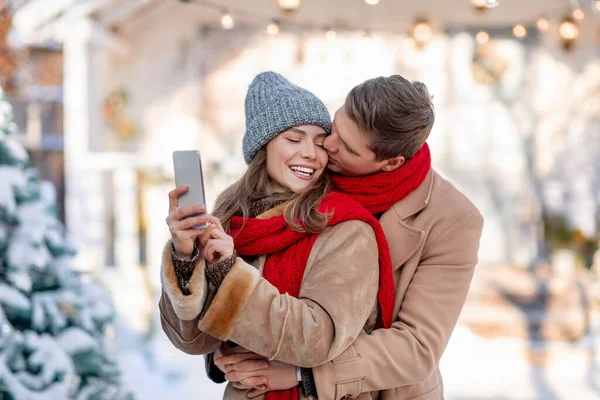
x: 300, y: 210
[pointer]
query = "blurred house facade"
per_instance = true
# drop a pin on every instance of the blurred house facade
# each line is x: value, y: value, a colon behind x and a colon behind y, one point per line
x: 517, y: 119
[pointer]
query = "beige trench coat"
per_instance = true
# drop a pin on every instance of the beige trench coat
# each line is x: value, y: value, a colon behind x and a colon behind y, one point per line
x: 433, y: 236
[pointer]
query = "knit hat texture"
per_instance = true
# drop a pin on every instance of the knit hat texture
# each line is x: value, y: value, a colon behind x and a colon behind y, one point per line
x: 273, y: 105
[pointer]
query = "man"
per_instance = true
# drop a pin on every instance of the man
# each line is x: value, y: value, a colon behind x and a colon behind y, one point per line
x: 433, y: 233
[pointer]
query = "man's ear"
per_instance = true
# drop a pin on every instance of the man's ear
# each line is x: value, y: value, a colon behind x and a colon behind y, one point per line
x: 392, y: 164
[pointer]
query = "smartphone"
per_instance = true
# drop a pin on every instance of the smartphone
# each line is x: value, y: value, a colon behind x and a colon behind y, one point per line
x: 187, y: 165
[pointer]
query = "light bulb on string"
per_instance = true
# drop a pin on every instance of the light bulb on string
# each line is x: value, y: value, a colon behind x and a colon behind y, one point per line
x: 597, y: 5
x: 330, y: 34
x: 421, y: 32
x: 273, y: 28
x: 568, y: 32
x: 578, y: 14
x: 479, y: 5
x: 482, y: 37
x: 372, y: 2
x: 482, y: 5
x: 542, y: 24
x: 227, y: 21
x: 519, y: 31
x: 288, y: 6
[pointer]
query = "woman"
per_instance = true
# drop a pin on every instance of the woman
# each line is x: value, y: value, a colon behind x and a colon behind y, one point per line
x: 314, y: 268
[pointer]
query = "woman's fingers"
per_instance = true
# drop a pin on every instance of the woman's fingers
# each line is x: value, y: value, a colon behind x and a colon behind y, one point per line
x: 217, y: 246
x: 186, y: 234
x: 190, y: 222
x: 213, y: 232
x: 243, y: 377
x: 174, y: 195
x: 236, y: 357
x: 206, y: 235
x: 216, y: 221
x: 188, y: 211
x: 179, y: 214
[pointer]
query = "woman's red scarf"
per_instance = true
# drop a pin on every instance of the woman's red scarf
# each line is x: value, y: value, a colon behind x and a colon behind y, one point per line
x: 379, y: 192
x: 288, y: 253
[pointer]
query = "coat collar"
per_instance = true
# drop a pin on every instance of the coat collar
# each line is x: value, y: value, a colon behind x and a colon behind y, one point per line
x: 403, y: 239
x: 417, y: 200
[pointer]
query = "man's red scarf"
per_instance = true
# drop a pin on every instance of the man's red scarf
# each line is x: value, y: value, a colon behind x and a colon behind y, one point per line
x: 377, y: 193
x: 288, y: 253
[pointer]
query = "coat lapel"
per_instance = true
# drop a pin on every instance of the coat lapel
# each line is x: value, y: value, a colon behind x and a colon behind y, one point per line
x: 403, y: 239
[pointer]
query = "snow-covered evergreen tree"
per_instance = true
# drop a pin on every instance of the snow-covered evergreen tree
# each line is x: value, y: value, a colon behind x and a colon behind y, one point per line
x: 52, y: 319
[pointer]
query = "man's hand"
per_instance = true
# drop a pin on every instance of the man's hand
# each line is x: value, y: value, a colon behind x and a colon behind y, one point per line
x: 247, y: 370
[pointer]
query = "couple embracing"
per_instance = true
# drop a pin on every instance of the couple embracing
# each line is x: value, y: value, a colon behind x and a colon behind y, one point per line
x: 338, y: 264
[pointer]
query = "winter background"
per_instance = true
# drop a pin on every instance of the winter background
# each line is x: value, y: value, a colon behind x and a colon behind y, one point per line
x: 98, y: 93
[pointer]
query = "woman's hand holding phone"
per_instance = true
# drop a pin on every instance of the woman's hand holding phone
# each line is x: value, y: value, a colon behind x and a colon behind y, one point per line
x: 217, y: 244
x: 181, y: 223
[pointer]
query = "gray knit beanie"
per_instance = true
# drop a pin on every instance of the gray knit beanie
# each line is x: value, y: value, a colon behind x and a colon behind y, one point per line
x: 273, y: 105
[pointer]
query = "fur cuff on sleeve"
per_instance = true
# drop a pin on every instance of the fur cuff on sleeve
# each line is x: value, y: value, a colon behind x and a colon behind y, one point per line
x: 238, y: 285
x: 186, y: 307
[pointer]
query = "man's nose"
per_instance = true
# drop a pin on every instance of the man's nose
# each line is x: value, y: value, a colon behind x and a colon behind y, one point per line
x: 329, y: 144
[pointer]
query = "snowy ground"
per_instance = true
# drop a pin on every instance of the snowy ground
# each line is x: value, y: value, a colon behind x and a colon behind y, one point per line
x: 474, y: 369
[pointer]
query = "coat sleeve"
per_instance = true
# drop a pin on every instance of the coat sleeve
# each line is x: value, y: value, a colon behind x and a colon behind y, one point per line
x: 179, y: 314
x: 337, y: 296
x: 410, y: 350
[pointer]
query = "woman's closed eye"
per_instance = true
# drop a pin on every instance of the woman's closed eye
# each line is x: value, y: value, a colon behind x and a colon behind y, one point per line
x: 293, y: 140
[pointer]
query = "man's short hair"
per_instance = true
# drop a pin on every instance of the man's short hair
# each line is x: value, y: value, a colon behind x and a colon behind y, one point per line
x: 398, y: 113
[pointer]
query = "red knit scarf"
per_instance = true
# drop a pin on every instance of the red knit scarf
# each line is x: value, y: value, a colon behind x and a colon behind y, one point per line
x: 377, y: 193
x: 288, y: 253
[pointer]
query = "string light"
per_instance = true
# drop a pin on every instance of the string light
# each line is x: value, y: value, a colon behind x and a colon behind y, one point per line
x: 227, y: 21
x: 569, y: 32
x: 421, y: 32
x: 482, y: 37
x: 288, y: 5
x: 578, y: 14
x: 519, y: 31
x: 542, y: 24
x: 479, y: 5
x: 330, y: 34
x: 598, y: 5
x: 273, y: 28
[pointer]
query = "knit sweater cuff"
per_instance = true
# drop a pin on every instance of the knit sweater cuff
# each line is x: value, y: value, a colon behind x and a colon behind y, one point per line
x: 217, y: 272
x: 184, y: 267
x: 308, y: 383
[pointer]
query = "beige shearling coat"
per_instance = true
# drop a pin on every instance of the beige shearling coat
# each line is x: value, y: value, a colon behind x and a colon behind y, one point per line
x: 337, y: 302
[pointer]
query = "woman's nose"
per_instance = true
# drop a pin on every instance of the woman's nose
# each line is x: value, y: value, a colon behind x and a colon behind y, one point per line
x: 308, y: 151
